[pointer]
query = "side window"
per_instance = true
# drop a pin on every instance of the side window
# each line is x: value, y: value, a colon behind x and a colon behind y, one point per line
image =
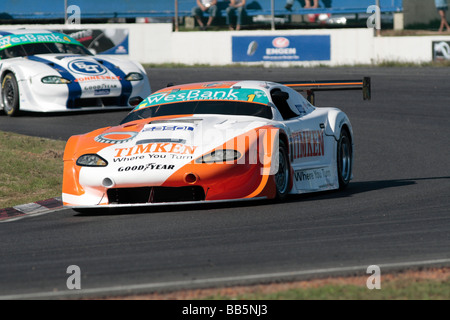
x: 280, y: 98
x: 301, y: 109
x: 12, y: 52
x: 303, y: 106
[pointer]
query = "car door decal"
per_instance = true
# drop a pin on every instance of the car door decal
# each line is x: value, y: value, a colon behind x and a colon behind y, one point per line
x: 309, y: 143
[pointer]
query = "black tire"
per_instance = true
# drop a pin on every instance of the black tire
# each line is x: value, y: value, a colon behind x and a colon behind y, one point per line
x: 282, y: 177
x: 344, y: 159
x: 10, y: 95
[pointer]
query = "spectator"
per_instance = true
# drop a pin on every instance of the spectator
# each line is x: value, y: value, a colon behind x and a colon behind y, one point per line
x: 442, y: 7
x: 307, y: 4
x: 209, y: 6
x: 236, y: 7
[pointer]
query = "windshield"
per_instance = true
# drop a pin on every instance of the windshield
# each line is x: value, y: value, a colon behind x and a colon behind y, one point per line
x: 31, y: 49
x: 233, y: 108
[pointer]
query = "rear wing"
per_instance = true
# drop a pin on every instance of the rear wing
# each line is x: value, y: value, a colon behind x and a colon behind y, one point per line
x: 330, y: 85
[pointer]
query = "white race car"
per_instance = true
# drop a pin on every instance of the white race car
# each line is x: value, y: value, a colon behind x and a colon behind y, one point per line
x: 214, y: 141
x: 48, y: 71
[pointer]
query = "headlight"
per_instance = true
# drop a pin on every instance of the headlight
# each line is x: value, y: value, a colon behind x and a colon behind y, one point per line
x: 220, y: 156
x: 55, y: 80
x: 91, y: 160
x: 134, y: 76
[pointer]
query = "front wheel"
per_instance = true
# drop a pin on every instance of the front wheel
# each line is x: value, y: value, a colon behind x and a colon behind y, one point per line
x: 10, y: 95
x: 282, y: 176
x: 344, y: 159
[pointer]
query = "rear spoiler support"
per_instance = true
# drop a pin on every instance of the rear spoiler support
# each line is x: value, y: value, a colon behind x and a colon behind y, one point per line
x: 330, y: 85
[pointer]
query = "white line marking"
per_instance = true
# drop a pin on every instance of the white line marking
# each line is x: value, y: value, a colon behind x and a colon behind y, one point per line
x: 128, y: 289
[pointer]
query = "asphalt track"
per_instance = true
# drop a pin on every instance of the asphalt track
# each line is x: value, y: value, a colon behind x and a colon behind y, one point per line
x: 395, y: 213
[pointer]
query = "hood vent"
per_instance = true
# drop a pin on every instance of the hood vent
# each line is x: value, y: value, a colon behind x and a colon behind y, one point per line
x: 194, y: 121
x: 161, y: 140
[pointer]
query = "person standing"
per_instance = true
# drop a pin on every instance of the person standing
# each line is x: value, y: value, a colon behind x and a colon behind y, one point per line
x: 236, y: 7
x: 209, y: 6
x: 442, y: 7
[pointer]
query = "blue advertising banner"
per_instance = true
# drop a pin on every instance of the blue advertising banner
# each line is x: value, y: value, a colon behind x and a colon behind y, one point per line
x: 281, y: 48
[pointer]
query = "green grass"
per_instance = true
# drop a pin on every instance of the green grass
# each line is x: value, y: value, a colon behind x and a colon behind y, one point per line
x: 404, y: 289
x: 437, y: 64
x: 30, y: 169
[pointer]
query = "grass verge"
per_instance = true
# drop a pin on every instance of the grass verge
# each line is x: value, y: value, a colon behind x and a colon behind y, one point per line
x: 30, y: 169
x: 424, y: 284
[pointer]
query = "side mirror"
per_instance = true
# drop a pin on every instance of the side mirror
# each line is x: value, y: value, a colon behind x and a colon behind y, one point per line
x: 135, y: 101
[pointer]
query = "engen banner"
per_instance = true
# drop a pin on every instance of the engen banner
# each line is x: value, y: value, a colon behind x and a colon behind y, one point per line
x: 281, y: 48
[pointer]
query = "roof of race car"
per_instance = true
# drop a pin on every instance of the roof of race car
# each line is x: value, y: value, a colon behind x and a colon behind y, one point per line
x: 244, y: 91
x: 9, y: 38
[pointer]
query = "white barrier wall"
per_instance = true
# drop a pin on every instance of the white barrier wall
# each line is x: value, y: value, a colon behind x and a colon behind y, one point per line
x: 157, y: 44
x: 406, y: 49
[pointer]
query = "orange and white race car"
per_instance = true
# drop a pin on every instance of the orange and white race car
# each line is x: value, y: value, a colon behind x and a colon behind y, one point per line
x: 214, y: 141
